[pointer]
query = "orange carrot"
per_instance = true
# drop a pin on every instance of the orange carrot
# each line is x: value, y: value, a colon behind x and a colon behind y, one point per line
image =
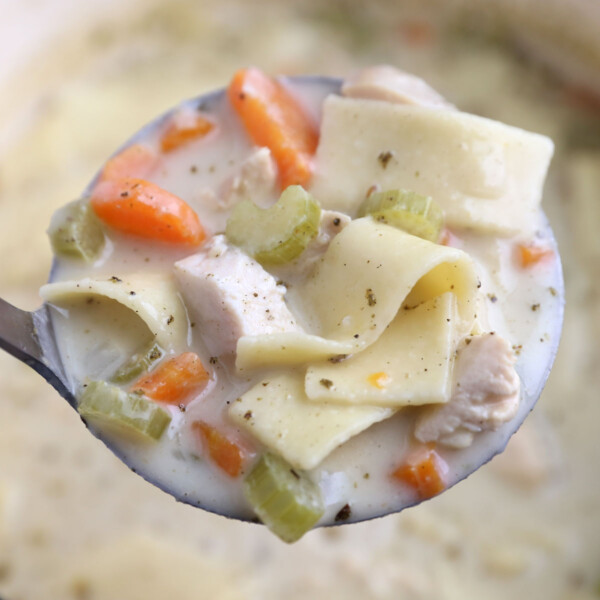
x: 135, y: 161
x: 273, y: 118
x: 531, y: 254
x: 425, y: 471
x: 142, y: 208
x: 379, y: 380
x: 226, y: 454
x: 175, y: 380
x: 184, y: 127
x: 418, y: 33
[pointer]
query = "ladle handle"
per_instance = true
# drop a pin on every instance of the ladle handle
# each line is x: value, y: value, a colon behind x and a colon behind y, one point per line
x: 18, y: 334
x: 28, y: 336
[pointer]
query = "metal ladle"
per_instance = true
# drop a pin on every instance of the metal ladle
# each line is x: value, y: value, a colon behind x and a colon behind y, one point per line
x: 30, y: 337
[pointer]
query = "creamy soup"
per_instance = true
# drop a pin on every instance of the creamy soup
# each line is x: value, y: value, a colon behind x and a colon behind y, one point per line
x: 310, y: 303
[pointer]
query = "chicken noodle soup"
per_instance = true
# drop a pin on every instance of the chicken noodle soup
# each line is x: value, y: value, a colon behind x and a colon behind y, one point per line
x: 309, y: 303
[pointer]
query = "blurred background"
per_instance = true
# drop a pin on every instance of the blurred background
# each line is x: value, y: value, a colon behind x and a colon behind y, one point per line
x: 76, y: 79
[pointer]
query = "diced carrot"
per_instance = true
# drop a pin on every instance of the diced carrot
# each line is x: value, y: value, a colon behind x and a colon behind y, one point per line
x: 418, y: 33
x: 227, y: 455
x: 175, y: 380
x: 583, y: 97
x: 142, y: 208
x: 379, y: 380
x: 185, y: 126
x: 425, y: 471
x: 273, y: 118
x: 531, y: 254
x: 135, y: 161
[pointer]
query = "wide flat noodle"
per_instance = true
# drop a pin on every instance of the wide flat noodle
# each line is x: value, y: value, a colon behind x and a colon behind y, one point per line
x: 368, y: 272
x: 410, y: 364
x: 277, y: 413
x: 152, y: 297
x: 486, y: 175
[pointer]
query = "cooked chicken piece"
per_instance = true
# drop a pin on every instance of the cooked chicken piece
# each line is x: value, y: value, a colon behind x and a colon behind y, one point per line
x: 230, y: 295
x: 486, y: 394
x: 256, y: 181
x: 383, y: 82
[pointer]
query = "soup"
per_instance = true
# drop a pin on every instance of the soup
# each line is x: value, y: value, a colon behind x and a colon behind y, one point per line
x: 300, y: 298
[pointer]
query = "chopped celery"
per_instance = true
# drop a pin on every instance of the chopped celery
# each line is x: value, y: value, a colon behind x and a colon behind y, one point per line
x: 285, y: 500
x: 111, y: 406
x: 412, y: 212
x: 280, y: 233
x: 139, y: 363
x: 75, y: 231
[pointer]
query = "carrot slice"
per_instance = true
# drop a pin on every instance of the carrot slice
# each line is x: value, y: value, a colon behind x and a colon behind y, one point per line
x: 185, y: 126
x: 227, y: 455
x: 175, y: 380
x: 425, y: 471
x: 142, y: 208
x: 135, y: 161
x: 273, y: 118
x: 531, y: 254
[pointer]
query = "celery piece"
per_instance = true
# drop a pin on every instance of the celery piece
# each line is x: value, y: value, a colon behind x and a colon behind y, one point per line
x: 412, y: 212
x: 75, y: 231
x: 284, y: 499
x: 110, y: 406
x: 278, y: 234
x: 139, y: 363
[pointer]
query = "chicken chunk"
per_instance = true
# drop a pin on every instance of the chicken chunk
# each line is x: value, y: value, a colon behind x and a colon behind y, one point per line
x: 230, y: 295
x: 256, y: 181
x: 486, y: 394
x: 383, y: 82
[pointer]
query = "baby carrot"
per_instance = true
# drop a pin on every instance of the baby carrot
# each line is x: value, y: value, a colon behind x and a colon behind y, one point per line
x: 142, y: 208
x: 226, y: 454
x: 273, y: 118
x: 175, y: 380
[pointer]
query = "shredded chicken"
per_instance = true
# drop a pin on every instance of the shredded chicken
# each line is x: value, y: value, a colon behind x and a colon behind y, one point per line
x: 387, y: 83
x: 486, y: 394
x: 230, y: 295
x: 256, y: 181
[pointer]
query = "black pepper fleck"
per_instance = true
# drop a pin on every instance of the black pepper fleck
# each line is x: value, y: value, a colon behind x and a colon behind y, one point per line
x: 370, y: 296
x: 384, y: 158
x: 338, y: 358
x: 343, y: 514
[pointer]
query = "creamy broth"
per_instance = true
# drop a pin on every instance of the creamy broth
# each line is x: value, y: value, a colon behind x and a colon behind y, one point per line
x: 520, y: 304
